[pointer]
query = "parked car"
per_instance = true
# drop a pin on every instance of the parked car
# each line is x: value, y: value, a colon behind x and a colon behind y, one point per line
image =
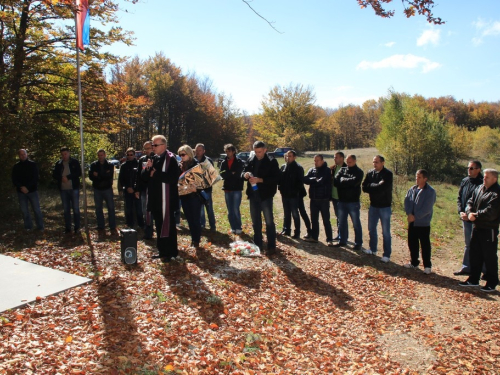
x: 279, y: 152
x: 115, y: 162
x: 243, y: 155
x: 220, y: 159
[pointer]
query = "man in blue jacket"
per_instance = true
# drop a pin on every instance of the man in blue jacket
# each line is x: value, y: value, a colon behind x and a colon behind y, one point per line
x: 67, y: 173
x: 319, y: 180
x: 262, y: 175
x: 419, y: 204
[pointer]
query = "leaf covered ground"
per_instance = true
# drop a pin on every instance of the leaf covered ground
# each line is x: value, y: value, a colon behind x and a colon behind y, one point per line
x: 308, y: 310
x: 305, y: 311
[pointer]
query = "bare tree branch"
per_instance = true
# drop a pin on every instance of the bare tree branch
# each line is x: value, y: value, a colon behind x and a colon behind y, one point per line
x: 247, y: 2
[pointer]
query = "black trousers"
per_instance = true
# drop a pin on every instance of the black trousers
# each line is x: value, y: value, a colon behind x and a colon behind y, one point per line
x: 419, y: 237
x: 167, y: 246
x: 483, y: 249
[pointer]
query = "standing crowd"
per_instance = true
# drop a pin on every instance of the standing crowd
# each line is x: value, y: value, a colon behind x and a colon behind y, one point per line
x: 149, y: 187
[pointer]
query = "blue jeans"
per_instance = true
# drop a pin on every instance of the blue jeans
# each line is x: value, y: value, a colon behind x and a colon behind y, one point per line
x: 352, y: 209
x: 148, y: 229
x: 33, y: 199
x: 132, y: 202
x: 71, y: 201
x: 335, y: 204
x: 384, y: 215
x: 233, y: 203
x: 321, y: 206
x: 291, y: 210
x: 257, y: 207
x: 210, y: 211
x: 99, y: 197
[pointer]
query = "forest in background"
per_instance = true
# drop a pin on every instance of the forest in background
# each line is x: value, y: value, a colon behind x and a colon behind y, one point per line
x: 126, y: 101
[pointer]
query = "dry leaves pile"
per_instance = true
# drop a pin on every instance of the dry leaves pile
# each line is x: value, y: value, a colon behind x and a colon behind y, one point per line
x: 213, y: 312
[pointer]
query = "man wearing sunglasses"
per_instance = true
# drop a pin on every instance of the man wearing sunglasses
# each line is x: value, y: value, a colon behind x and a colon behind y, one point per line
x: 126, y: 186
x: 467, y: 186
x: 161, y: 175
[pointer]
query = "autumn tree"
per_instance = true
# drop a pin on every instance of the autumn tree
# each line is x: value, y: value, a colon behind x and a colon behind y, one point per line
x: 287, y: 117
x: 414, y: 137
x: 38, y: 107
x: 411, y: 8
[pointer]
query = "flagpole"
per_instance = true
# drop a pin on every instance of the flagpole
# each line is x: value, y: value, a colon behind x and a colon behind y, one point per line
x: 85, y: 216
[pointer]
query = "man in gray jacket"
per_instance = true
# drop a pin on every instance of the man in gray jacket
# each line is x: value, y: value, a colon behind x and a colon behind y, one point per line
x: 419, y: 204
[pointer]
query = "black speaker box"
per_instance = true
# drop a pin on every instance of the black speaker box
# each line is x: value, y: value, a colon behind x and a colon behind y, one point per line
x: 128, y: 240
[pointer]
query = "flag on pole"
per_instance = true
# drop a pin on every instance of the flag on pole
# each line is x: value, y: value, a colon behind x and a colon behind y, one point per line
x: 82, y: 24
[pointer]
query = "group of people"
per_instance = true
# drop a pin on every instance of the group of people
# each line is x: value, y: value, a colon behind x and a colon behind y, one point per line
x: 150, y: 188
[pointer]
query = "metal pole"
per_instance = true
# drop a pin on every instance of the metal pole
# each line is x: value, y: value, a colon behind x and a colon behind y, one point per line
x: 81, y: 143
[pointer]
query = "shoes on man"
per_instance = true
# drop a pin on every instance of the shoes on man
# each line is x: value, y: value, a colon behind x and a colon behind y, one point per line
x: 487, y: 289
x: 468, y: 283
x: 369, y: 252
x: 156, y: 256
x: 336, y: 238
x: 357, y: 247
x: 165, y: 260
x: 409, y: 265
x: 461, y: 273
x: 483, y: 277
x: 339, y: 244
x: 308, y: 235
x: 310, y: 239
x: 271, y: 251
x: 330, y: 244
x: 385, y: 260
x: 77, y: 230
x: 195, y: 244
x: 296, y: 236
x: 427, y: 270
x: 284, y: 233
x: 238, y: 231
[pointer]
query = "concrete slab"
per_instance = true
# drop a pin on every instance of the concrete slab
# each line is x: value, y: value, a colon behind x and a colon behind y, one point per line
x: 22, y: 282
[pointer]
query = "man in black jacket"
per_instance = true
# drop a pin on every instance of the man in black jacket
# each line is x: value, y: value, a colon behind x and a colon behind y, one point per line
x: 467, y: 186
x: 348, y: 183
x: 161, y: 174
x: 101, y: 174
x: 67, y: 173
x: 230, y: 171
x: 378, y: 184
x: 291, y: 185
x: 262, y: 175
x: 319, y: 180
x: 483, y: 209
x: 25, y: 179
x: 127, y: 187
x: 142, y: 190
